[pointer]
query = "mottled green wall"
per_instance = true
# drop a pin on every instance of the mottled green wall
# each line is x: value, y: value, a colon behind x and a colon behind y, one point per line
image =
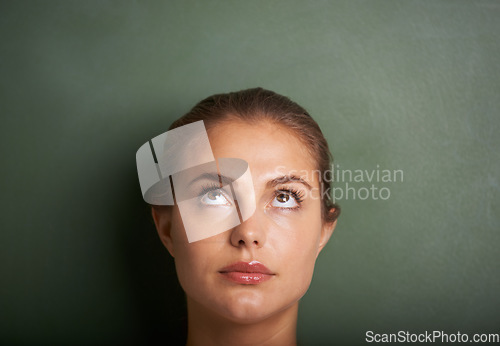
x: 406, y: 85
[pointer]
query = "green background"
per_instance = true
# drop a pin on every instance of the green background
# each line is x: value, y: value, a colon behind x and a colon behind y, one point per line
x: 410, y: 85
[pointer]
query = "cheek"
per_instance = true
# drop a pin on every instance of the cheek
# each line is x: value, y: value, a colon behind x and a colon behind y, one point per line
x: 296, y: 241
x: 297, y: 232
x: 194, y: 262
x: 186, y: 255
x: 193, y: 269
x: 186, y: 266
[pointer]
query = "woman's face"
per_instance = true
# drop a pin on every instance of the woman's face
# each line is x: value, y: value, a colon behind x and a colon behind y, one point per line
x: 285, y: 234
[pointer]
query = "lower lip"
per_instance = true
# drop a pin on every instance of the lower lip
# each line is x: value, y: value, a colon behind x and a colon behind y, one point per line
x: 246, y: 278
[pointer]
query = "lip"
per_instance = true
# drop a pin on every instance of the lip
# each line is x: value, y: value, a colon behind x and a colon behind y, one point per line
x: 247, y: 273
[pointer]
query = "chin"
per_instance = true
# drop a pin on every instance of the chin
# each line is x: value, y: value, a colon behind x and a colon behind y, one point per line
x: 244, y: 314
x: 247, y: 311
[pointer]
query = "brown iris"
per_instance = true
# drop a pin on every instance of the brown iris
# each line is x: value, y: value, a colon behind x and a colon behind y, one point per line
x: 283, y: 198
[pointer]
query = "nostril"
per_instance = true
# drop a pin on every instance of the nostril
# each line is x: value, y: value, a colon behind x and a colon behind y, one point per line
x: 241, y: 242
x: 256, y: 242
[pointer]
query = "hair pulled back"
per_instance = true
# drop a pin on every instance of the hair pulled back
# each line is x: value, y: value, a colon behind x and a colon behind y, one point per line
x: 258, y: 104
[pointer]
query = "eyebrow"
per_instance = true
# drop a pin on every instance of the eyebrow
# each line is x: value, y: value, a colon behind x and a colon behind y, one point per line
x: 224, y: 180
x: 221, y: 179
x: 287, y: 179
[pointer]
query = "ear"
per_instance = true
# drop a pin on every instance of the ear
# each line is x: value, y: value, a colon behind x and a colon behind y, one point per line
x: 162, y: 218
x: 326, y: 233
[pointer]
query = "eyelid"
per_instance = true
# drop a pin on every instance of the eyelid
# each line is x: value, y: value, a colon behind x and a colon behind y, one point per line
x: 213, y: 187
x: 293, y: 179
x: 296, y: 195
x: 209, y: 187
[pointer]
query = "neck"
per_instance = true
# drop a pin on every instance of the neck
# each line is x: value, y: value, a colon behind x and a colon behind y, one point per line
x: 208, y: 328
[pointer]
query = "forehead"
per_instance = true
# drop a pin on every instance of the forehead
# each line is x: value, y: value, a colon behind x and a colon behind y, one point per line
x: 270, y: 149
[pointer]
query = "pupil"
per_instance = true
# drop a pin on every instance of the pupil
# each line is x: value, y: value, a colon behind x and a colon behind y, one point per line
x: 213, y: 195
x: 283, y: 198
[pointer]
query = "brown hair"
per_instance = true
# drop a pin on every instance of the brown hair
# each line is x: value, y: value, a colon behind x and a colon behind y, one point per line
x: 257, y: 104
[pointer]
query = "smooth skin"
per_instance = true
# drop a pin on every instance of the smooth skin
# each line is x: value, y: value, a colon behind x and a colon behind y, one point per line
x: 283, y: 234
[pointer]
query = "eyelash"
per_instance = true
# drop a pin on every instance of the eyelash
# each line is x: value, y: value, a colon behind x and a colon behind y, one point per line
x: 209, y: 188
x: 297, y: 195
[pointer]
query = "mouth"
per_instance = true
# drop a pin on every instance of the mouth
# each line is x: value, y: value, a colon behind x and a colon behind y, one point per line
x: 247, y: 273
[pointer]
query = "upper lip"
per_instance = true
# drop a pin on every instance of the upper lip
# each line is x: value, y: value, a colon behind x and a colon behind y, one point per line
x: 247, y: 267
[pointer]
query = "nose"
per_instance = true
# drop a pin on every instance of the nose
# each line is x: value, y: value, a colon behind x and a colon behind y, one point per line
x: 250, y: 233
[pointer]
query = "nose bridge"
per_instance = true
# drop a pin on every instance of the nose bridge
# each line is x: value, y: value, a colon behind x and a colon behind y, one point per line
x: 251, y: 232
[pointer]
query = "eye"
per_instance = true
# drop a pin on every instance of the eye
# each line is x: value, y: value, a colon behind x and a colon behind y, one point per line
x: 284, y: 199
x: 215, y: 198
